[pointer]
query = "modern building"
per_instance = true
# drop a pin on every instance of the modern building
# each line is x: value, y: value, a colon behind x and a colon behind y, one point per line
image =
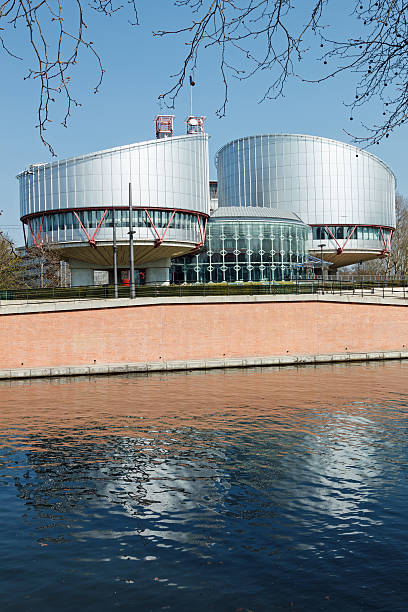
x: 78, y: 204
x: 345, y: 194
x: 247, y: 245
x: 279, y: 200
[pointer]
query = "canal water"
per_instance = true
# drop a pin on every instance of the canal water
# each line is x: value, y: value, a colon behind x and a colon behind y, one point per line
x: 236, y: 490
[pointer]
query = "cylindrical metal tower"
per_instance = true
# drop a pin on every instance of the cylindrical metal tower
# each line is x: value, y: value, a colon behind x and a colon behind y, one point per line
x: 73, y: 205
x: 345, y: 194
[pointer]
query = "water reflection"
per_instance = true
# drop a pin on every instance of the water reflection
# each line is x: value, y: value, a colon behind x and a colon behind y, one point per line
x: 252, y: 489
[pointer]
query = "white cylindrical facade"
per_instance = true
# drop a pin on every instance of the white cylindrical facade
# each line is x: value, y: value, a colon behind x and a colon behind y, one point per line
x: 346, y: 192
x: 74, y: 203
x: 166, y: 173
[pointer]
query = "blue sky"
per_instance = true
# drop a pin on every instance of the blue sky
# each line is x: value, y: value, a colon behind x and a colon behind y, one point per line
x: 138, y: 66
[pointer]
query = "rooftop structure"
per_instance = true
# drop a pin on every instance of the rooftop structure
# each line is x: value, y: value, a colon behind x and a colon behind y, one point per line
x: 164, y: 126
x: 195, y: 125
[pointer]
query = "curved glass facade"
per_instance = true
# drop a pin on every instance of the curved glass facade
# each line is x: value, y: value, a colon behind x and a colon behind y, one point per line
x: 239, y: 250
x: 342, y: 232
x: 65, y: 227
x: 324, y: 181
x: 359, y: 238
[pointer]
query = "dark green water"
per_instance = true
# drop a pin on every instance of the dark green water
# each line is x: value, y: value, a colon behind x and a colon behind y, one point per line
x: 237, y: 490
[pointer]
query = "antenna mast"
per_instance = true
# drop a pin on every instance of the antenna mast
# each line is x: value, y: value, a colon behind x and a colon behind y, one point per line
x: 192, y: 83
x: 195, y: 125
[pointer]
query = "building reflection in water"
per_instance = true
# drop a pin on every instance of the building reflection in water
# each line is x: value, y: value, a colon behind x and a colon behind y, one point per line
x: 237, y: 489
x: 162, y: 448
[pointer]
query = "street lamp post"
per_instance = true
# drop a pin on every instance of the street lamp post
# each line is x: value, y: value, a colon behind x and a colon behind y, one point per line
x: 115, y: 255
x: 321, y: 247
x: 131, y: 254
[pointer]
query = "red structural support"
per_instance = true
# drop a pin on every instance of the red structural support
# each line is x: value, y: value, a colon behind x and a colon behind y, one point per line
x: 339, y: 251
x: 159, y: 232
x: 168, y: 225
x: 202, y: 231
x: 36, y: 238
x: 387, y: 244
x: 341, y: 247
x: 160, y: 238
x: 91, y: 239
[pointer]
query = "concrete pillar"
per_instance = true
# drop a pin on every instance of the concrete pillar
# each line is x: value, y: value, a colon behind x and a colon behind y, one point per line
x: 81, y: 277
x: 158, y: 272
x: 82, y: 273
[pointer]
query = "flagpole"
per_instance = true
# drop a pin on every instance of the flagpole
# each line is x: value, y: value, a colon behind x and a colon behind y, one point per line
x: 191, y: 100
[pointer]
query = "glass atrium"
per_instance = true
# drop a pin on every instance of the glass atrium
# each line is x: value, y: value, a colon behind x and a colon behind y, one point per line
x: 247, y: 245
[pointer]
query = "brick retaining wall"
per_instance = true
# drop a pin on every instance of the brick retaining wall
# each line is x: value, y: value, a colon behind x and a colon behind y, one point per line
x: 98, y: 333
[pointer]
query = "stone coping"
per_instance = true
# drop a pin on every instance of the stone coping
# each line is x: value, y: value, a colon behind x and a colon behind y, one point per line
x: 204, y: 364
x: 27, y: 307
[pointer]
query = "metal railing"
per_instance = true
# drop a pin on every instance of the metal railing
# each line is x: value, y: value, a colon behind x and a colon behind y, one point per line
x: 397, y: 288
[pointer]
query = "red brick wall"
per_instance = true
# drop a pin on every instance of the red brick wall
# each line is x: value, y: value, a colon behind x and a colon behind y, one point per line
x: 198, y: 331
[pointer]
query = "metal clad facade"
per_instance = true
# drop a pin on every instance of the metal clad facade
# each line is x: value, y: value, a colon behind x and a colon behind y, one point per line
x: 166, y: 173
x: 324, y: 181
x: 170, y: 173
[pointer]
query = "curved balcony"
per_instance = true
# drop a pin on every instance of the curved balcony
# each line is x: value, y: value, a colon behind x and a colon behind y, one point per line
x: 158, y: 233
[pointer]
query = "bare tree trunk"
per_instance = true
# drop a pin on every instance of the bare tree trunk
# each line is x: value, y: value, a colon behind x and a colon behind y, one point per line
x: 387, y: 272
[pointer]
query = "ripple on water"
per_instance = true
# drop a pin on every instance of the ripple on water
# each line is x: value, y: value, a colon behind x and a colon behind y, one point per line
x: 235, y: 490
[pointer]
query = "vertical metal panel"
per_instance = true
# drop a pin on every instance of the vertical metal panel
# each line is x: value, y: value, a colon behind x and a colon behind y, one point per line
x: 322, y: 180
x: 170, y: 173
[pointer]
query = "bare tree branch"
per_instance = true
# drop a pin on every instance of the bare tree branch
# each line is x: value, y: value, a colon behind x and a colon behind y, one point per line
x: 379, y: 59
x: 271, y: 37
x: 56, y: 47
x: 377, y: 55
x: 235, y: 28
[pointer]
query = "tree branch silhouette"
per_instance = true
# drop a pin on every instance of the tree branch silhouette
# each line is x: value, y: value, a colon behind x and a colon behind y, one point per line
x: 271, y: 37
